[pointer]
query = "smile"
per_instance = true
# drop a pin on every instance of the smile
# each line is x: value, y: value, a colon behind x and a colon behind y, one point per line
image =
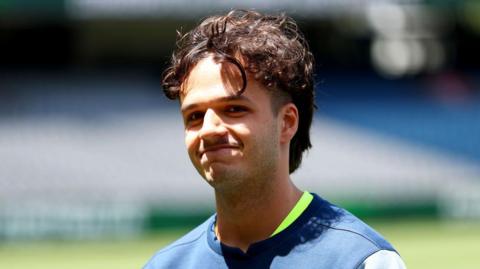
x: 217, y: 148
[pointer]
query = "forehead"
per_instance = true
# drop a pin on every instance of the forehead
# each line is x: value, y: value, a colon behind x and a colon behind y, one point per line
x: 209, y: 81
x: 203, y: 73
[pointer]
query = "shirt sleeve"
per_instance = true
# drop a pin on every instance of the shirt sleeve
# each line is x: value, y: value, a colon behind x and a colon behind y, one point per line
x: 383, y: 259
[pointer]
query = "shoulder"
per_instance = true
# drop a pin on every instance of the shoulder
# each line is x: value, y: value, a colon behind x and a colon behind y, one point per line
x: 346, y: 226
x: 171, y: 255
x: 383, y: 259
x: 358, y: 229
x: 338, y: 237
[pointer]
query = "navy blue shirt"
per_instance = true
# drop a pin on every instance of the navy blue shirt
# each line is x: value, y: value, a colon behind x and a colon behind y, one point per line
x: 324, y: 236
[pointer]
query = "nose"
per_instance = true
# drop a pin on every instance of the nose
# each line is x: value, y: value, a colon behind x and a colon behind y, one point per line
x: 212, y: 125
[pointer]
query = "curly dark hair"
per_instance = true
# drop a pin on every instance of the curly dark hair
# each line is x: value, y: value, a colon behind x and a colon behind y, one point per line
x: 271, y: 48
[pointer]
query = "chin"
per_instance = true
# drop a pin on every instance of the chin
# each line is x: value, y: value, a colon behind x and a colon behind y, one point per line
x: 220, y: 175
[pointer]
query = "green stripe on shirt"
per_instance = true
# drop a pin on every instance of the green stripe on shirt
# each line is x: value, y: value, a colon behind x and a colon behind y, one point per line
x: 297, y: 210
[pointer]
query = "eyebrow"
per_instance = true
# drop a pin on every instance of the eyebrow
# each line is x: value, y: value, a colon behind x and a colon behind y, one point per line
x: 220, y: 99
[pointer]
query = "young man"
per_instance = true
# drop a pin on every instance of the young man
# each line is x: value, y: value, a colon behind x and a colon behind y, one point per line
x: 245, y: 85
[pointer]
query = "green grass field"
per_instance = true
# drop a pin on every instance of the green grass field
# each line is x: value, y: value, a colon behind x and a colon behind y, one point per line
x: 422, y: 243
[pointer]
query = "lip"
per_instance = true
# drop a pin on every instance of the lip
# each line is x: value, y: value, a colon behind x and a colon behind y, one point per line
x: 218, y: 147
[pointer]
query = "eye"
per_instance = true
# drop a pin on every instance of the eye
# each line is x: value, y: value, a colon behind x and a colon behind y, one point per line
x: 236, y: 109
x: 194, y: 117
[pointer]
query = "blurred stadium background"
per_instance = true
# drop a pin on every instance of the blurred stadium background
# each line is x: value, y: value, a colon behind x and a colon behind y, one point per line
x: 91, y: 151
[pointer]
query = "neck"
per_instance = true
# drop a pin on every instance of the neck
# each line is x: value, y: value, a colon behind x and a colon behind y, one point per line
x: 248, y: 215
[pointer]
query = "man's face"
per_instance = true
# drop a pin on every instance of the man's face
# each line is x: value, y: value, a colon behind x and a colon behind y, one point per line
x: 230, y: 138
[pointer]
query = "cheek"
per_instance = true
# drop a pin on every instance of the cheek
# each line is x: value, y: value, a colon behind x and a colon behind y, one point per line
x: 191, y: 141
x: 241, y: 132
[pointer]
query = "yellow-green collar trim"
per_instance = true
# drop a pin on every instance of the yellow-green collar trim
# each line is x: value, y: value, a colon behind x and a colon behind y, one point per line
x: 297, y: 210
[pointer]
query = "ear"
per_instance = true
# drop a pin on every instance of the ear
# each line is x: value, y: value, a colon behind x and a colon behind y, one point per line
x: 288, y: 116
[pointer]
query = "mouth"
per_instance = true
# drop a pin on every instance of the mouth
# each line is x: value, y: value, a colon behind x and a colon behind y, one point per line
x: 217, y: 148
